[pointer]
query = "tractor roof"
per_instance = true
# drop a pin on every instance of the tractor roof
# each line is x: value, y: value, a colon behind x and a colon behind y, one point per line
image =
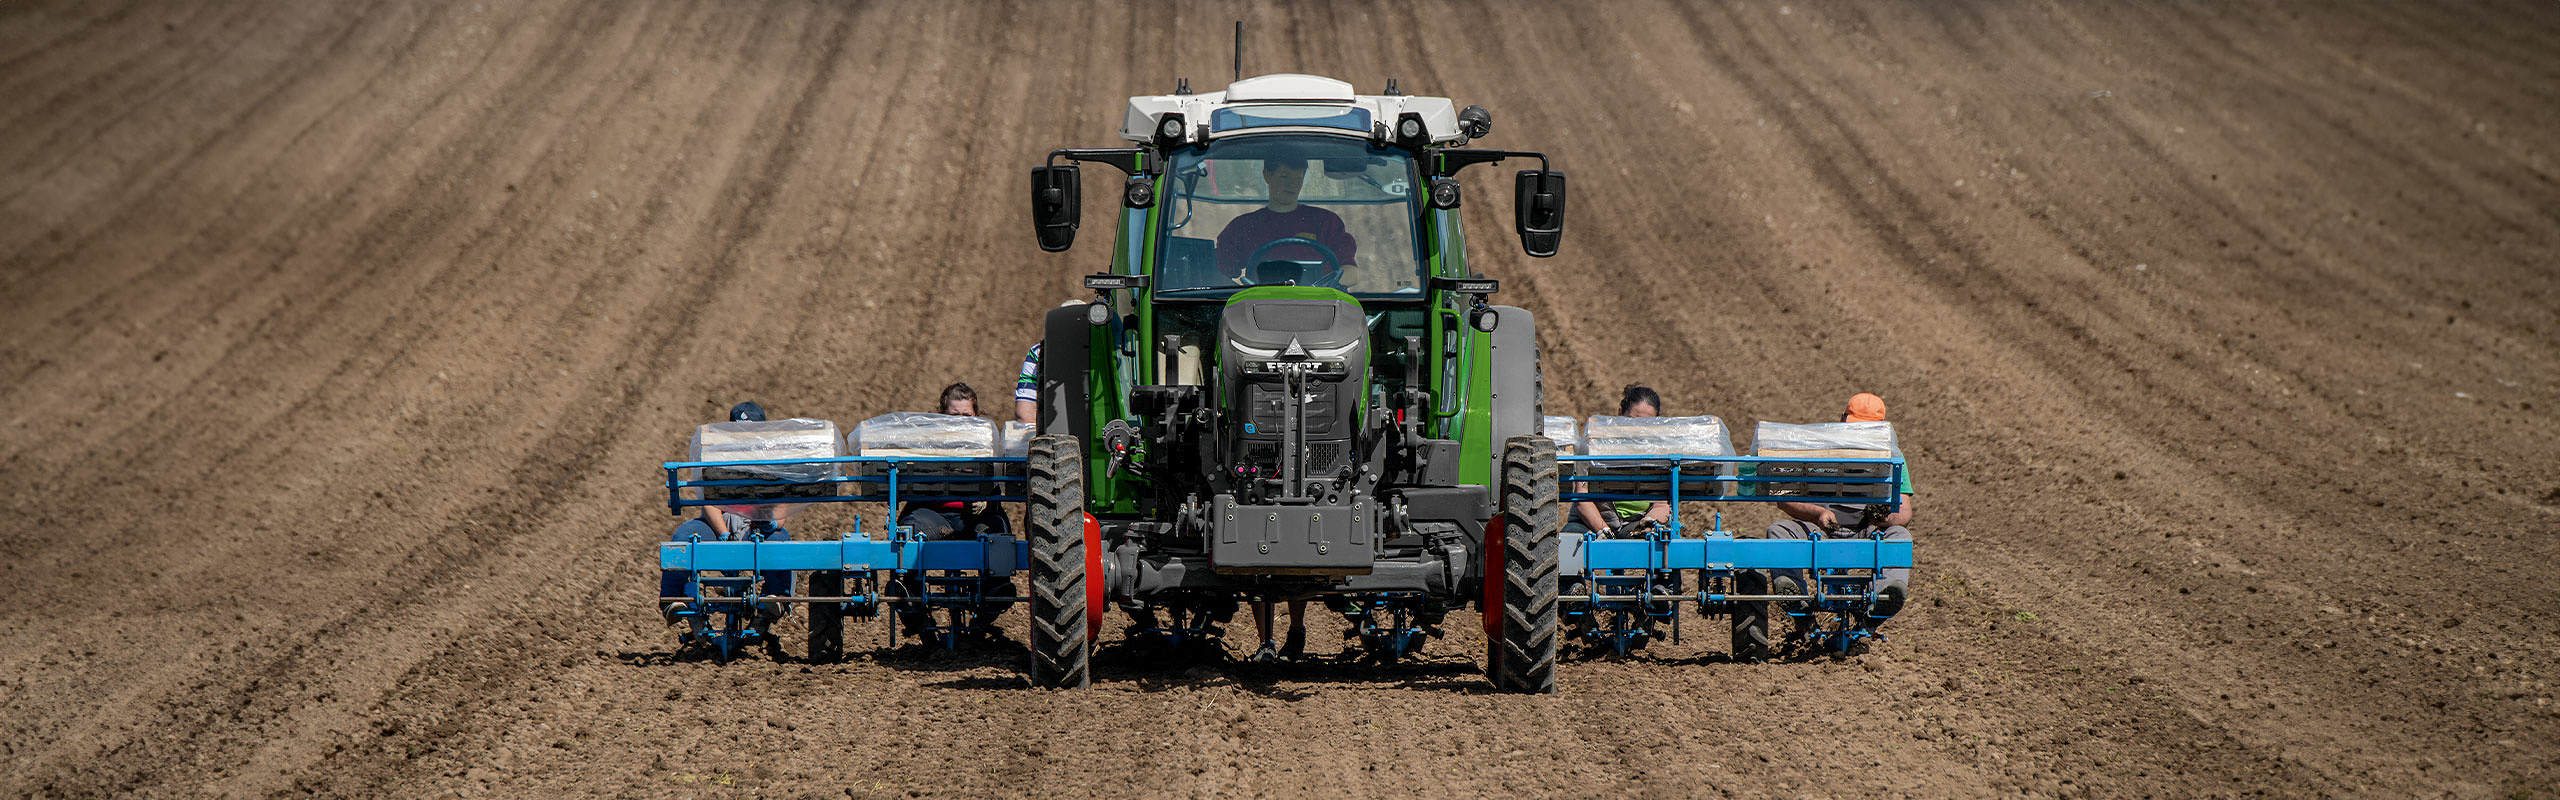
x: 1288, y: 102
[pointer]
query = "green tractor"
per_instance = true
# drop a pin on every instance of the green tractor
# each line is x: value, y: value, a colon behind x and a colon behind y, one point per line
x: 1290, y: 386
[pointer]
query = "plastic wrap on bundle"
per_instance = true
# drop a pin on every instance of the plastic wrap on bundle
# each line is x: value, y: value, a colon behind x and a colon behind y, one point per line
x: 1650, y: 436
x: 1658, y: 436
x: 1014, y: 441
x: 1825, y: 440
x: 1017, y: 440
x: 772, y: 440
x: 915, y: 434
x: 1566, y: 433
x: 1822, y: 440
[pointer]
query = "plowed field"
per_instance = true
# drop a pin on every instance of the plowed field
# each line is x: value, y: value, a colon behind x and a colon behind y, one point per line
x: 339, y: 344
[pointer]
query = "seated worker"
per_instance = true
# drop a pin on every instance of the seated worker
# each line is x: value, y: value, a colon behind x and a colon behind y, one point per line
x: 716, y: 525
x: 1281, y: 218
x: 1637, y: 400
x: 954, y: 519
x: 1893, y: 585
x: 939, y: 520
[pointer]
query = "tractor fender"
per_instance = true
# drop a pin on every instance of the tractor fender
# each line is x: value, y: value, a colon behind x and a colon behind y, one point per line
x: 1066, y: 352
x: 1519, y: 389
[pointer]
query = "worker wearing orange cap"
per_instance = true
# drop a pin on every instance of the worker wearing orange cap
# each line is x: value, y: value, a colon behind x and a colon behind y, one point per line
x: 1833, y: 520
x: 1864, y: 407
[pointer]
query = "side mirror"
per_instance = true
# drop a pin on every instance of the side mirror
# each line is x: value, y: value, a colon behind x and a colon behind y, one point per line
x: 1057, y: 205
x: 1539, y: 198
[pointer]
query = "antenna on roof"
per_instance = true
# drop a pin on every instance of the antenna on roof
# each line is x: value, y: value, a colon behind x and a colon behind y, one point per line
x: 1239, y: 50
x: 1182, y: 86
x: 1391, y: 88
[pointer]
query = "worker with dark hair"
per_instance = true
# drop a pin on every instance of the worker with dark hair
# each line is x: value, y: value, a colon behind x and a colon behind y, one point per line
x: 1637, y: 400
x: 954, y: 519
x: 943, y: 520
x: 959, y: 399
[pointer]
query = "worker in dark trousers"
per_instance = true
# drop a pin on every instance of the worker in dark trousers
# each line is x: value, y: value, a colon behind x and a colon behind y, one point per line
x: 1832, y: 520
x: 716, y: 525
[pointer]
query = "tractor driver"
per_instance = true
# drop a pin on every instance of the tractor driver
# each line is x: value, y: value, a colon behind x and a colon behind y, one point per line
x: 1281, y: 218
x: 1892, y: 586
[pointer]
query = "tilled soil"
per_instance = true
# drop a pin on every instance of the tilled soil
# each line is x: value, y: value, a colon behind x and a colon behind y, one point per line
x: 339, y: 344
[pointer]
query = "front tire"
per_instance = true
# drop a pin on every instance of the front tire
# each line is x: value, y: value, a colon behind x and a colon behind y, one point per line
x: 1061, y: 647
x: 1525, y: 657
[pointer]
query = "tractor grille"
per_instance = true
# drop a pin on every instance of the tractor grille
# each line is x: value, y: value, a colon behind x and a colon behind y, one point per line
x: 1324, y: 459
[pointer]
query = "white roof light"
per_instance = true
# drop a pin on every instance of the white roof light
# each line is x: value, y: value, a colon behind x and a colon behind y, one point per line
x: 1289, y: 87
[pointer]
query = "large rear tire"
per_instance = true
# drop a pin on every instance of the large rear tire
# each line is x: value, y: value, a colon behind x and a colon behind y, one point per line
x: 1525, y: 658
x: 826, y: 620
x: 1751, y: 619
x: 1061, y: 644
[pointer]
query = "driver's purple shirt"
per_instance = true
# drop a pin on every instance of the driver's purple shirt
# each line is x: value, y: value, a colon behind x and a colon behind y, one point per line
x: 1263, y: 226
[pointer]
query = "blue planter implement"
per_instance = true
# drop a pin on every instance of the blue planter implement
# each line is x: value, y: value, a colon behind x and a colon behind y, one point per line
x: 1620, y: 592
x: 944, y: 589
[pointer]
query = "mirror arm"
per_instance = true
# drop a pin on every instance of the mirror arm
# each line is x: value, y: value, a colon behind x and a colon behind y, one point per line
x: 1126, y: 158
x: 1447, y: 162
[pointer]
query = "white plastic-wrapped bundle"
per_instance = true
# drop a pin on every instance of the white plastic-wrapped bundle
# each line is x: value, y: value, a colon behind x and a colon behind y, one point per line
x: 1567, y: 435
x: 914, y: 434
x: 1659, y: 436
x: 772, y: 440
x: 1017, y: 440
x: 1650, y: 436
x: 1825, y: 440
x: 1013, y: 441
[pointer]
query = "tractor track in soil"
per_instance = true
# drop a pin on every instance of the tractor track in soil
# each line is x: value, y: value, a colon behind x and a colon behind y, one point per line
x: 340, y: 343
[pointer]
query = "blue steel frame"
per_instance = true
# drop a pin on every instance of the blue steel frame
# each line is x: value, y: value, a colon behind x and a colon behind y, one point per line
x: 964, y: 570
x: 1621, y: 576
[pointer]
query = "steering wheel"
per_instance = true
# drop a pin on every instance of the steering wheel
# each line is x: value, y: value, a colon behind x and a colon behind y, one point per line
x: 1332, y: 263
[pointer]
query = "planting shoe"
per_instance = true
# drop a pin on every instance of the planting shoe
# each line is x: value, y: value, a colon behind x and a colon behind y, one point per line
x: 1889, y: 599
x: 1266, y: 655
x: 1297, y: 647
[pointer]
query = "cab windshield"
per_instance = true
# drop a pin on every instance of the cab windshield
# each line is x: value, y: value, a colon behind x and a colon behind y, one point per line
x: 1290, y: 210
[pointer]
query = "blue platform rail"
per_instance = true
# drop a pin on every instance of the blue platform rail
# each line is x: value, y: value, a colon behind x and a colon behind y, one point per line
x: 877, y: 488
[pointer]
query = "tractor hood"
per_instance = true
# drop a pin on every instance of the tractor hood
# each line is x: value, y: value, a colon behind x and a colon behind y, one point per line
x: 1254, y: 332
